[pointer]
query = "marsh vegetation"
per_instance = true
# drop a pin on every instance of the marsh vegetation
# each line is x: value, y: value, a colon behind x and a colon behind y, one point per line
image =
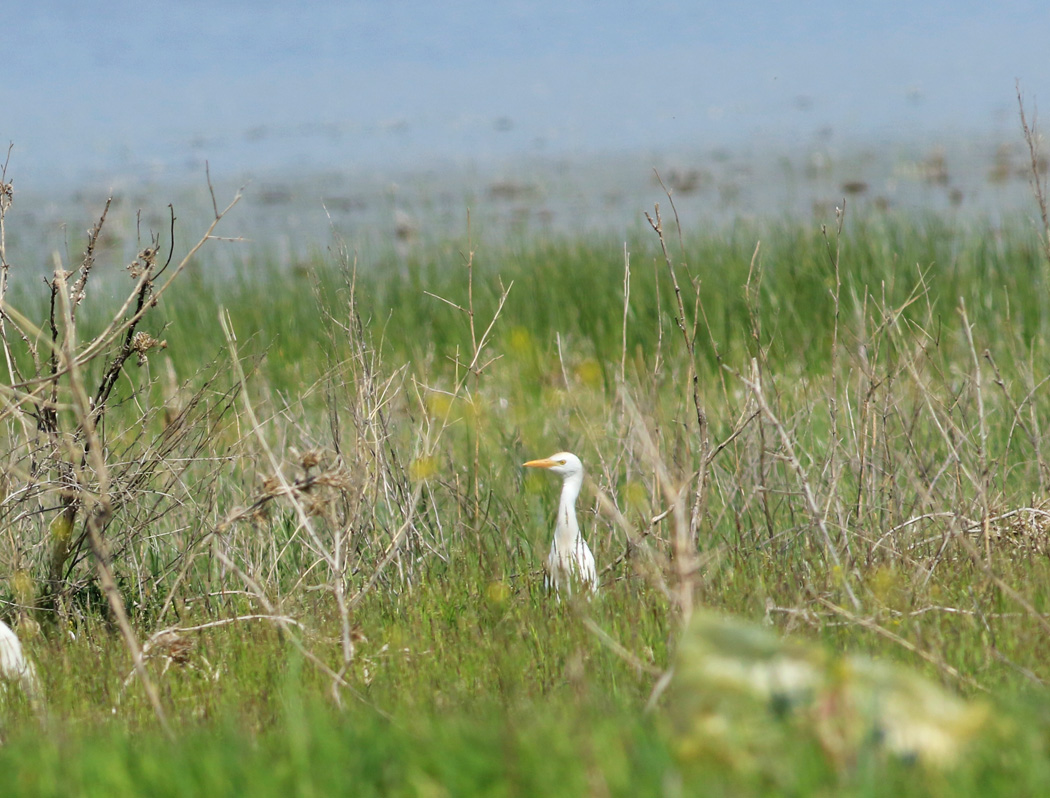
x: 268, y: 532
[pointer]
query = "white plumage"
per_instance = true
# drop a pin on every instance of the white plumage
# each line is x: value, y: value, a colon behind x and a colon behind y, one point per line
x: 570, y: 563
x: 13, y: 663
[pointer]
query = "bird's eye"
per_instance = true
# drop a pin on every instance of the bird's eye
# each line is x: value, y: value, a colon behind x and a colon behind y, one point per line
x: 562, y: 462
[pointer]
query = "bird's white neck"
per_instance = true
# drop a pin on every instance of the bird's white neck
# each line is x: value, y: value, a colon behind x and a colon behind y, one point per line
x: 567, y: 529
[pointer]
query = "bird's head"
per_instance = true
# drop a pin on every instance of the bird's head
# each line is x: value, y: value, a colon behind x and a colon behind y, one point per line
x: 564, y: 463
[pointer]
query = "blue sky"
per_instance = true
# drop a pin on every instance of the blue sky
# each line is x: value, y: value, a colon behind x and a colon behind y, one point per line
x: 154, y: 89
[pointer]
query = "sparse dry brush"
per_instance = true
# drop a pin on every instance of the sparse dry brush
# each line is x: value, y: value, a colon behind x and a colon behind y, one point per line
x: 216, y: 495
x: 901, y: 489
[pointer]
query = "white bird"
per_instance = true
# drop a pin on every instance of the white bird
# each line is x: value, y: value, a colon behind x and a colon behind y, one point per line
x: 14, y: 666
x: 570, y: 561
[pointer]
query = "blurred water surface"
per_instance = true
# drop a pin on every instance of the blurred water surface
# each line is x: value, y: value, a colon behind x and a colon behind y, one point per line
x: 380, y: 120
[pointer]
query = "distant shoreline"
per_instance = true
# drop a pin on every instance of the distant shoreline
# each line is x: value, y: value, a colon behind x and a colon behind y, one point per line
x: 597, y: 194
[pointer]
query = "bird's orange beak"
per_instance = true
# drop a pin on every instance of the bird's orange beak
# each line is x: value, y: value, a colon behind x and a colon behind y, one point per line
x: 546, y: 462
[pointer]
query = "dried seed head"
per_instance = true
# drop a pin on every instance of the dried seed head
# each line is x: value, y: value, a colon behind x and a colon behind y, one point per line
x: 144, y: 262
x: 22, y: 586
x: 310, y: 459
x: 261, y: 515
x: 337, y: 478
x: 316, y: 506
x: 173, y: 646
x: 142, y: 342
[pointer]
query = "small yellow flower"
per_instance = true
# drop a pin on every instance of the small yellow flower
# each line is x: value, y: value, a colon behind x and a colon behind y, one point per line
x: 635, y: 496
x: 22, y: 586
x: 61, y: 528
x: 885, y: 583
x: 498, y: 592
x: 589, y: 373
x: 520, y: 342
x: 439, y: 404
x: 423, y: 468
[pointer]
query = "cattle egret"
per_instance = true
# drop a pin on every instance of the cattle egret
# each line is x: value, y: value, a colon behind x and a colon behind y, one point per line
x: 13, y: 664
x: 570, y: 561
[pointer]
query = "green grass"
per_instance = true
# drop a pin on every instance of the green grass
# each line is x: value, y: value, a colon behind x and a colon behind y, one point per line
x: 465, y: 678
